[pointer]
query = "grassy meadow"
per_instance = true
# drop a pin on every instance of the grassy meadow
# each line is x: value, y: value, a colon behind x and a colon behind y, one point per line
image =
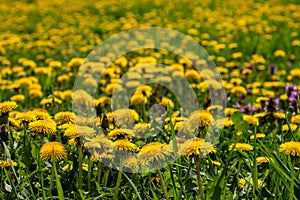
x: 48, y: 151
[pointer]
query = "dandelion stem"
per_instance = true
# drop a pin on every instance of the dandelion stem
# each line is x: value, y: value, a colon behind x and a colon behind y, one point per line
x: 118, y: 182
x: 255, y: 180
x: 51, y: 181
x: 105, y: 177
x: 89, y: 173
x: 163, y: 185
x: 80, y: 157
x: 99, y: 172
x: 292, y: 179
x: 200, y: 185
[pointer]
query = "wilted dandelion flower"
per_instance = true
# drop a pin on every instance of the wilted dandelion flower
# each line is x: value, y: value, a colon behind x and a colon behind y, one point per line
x: 241, y: 146
x: 290, y: 148
x: 7, y: 106
x: 53, y: 151
x: 46, y: 126
x: 64, y: 117
x: 197, y: 147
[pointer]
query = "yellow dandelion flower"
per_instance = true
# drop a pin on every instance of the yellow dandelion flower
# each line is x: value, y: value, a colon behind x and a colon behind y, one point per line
x: 138, y: 98
x: 36, y: 93
x: 26, y: 117
x: 296, y: 119
x: 64, y: 117
x: 45, y: 126
x: 200, y: 119
x: 239, y: 133
x: 7, y: 163
x: 228, y: 122
x: 260, y: 115
x: 167, y: 102
x: 241, y: 146
x: 295, y: 73
x: 290, y: 148
x: 53, y: 151
x: 242, y: 182
x: 262, y: 159
x: 125, y: 145
x: 125, y: 116
x: 79, y: 131
x: 18, y: 98
x: 102, y: 101
x: 85, y: 167
x: 100, y: 142
x: 192, y: 75
x: 216, y: 163
x: 153, y: 153
x: 141, y: 129
x: 251, y: 119
x: 50, y: 100
x: 7, y: 106
x: 279, y: 53
x: 120, y: 134
x: 279, y: 115
x: 286, y: 127
x: 196, y: 147
x: 239, y: 90
x: 258, y: 135
x: 259, y: 183
x: 131, y: 163
x: 68, y: 167
x: 41, y: 114
x: 230, y: 111
x: 107, y: 156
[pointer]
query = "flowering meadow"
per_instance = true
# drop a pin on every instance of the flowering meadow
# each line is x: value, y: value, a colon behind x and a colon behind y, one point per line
x: 51, y: 151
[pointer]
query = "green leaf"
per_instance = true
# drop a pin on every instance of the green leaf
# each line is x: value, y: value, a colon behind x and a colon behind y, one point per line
x: 239, y: 123
x: 133, y: 185
x: 58, y: 184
